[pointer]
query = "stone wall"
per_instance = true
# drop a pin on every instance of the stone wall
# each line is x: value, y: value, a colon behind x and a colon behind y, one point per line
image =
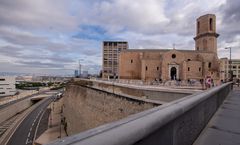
x: 86, y: 108
x: 162, y: 95
x: 153, y: 94
x: 176, y: 123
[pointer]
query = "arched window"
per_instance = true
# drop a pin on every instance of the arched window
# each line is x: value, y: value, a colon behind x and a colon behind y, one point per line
x: 198, y: 27
x: 210, y: 24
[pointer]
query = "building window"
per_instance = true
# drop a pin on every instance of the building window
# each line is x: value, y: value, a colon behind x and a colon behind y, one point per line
x: 209, y: 65
x: 197, y: 48
x: 188, y: 68
x: 105, y: 43
x: 210, y: 24
x: 198, y: 29
x: 157, y: 68
x: 146, y: 68
x: 189, y: 59
x: 199, y: 69
x: 2, y: 79
x: 173, y: 56
x: 2, y: 92
x: 131, y: 61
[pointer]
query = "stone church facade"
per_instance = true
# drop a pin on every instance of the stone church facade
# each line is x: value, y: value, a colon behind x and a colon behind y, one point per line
x: 166, y: 64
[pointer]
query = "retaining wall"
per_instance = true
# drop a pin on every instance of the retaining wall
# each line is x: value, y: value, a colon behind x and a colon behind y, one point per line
x: 86, y: 108
x: 13, y: 109
x: 176, y: 123
x: 164, y: 95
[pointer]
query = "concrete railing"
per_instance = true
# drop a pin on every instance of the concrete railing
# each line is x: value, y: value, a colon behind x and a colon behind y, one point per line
x: 176, y: 123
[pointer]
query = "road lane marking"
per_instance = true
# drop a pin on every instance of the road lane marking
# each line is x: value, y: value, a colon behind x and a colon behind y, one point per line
x: 29, y: 134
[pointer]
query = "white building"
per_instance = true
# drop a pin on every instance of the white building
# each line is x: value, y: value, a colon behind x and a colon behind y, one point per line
x: 225, y: 69
x: 7, y: 86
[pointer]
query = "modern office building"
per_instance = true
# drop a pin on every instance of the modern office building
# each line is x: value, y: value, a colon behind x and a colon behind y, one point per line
x: 7, y: 86
x: 76, y: 73
x: 85, y: 74
x: 111, y: 50
x: 225, y: 69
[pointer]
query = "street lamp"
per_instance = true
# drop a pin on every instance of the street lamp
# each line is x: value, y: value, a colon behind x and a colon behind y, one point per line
x: 230, y: 63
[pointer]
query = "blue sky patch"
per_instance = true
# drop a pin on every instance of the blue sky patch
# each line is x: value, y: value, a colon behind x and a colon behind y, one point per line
x: 92, y: 32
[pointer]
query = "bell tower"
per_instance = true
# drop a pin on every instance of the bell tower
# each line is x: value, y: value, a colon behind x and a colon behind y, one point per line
x: 206, y: 36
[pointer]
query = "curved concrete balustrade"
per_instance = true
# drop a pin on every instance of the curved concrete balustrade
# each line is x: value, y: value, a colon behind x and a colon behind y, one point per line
x: 176, y: 123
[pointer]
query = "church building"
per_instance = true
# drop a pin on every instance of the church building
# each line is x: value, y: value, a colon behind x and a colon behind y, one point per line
x: 172, y: 64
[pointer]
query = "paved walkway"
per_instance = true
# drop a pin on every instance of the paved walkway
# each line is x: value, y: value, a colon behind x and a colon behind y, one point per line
x: 224, y: 127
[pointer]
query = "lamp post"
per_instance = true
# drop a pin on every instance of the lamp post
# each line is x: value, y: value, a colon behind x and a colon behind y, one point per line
x: 79, y: 65
x: 230, y: 63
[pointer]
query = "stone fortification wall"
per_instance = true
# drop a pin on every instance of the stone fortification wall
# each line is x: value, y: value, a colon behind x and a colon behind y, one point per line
x: 85, y: 108
x: 153, y: 94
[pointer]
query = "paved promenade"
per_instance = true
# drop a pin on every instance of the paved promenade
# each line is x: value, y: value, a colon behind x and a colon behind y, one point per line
x: 224, y: 127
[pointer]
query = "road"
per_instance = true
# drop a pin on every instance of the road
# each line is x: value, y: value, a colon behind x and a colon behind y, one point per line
x: 25, y: 133
x: 15, y: 101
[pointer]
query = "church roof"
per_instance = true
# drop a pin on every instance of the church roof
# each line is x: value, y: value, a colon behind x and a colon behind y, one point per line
x: 163, y: 50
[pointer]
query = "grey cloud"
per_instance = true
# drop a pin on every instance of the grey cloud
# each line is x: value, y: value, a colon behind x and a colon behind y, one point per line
x: 44, y: 14
x: 53, y: 59
x: 32, y: 30
x: 230, y: 21
x: 40, y: 64
x: 10, y: 67
x: 85, y: 47
x: 17, y: 38
x: 231, y: 11
x: 10, y: 51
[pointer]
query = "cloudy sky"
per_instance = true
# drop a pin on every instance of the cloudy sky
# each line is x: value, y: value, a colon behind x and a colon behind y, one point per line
x: 51, y: 36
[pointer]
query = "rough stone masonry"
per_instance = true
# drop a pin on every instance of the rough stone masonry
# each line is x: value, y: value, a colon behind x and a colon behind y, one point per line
x: 85, y: 108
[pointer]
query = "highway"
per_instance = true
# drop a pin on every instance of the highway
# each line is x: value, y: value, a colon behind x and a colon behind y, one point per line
x: 25, y: 132
x: 15, y: 101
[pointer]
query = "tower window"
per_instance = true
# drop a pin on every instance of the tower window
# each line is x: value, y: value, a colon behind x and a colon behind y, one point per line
x: 157, y: 68
x: 131, y: 61
x: 173, y: 56
x: 209, y: 65
x: 210, y: 24
x: 188, y: 68
x: 198, y: 27
x: 189, y: 59
x: 200, y: 69
x: 146, y: 68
